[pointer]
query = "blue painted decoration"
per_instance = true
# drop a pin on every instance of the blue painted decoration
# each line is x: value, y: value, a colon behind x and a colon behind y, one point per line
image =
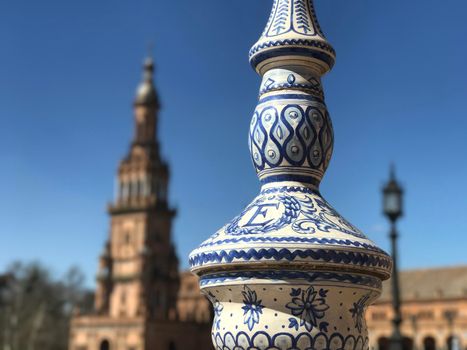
x: 309, y: 305
x: 252, y: 308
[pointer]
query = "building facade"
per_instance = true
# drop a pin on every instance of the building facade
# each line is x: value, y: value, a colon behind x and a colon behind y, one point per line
x: 434, y: 311
x: 141, y: 300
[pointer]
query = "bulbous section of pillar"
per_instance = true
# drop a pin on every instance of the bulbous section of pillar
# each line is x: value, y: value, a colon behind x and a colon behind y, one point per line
x: 290, y: 272
x: 291, y: 136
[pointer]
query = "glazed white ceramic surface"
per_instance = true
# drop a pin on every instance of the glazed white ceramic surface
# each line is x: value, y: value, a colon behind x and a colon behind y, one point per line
x: 290, y: 272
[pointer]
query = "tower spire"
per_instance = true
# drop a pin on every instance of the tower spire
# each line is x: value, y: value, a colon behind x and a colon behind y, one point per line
x: 146, y: 92
x: 146, y: 107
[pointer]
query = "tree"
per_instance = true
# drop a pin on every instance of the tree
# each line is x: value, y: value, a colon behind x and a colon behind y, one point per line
x: 35, y: 309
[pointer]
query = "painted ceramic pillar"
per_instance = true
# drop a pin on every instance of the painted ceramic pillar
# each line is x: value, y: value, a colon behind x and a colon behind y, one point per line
x: 290, y: 272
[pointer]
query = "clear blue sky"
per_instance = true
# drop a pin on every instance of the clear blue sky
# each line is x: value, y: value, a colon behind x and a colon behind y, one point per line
x: 69, y: 69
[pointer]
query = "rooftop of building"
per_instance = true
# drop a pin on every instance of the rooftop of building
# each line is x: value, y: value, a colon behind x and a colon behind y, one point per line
x: 430, y: 284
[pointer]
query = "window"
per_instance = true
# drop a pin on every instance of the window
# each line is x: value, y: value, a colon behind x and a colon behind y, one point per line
x: 429, y: 343
x: 138, y: 188
x: 453, y: 343
x: 190, y: 287
x: 127, y: 237
x: 379, y: 316
x: 383, y: 343
x: 425, y: 315
x: 124, y: 189
x: 133, y: 189
x: 105, y: 345
x: 121, y: 190
x: 407, y: 343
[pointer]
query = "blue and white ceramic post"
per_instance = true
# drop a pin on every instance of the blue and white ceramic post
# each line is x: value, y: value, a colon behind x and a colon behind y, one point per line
x: 290, y: 272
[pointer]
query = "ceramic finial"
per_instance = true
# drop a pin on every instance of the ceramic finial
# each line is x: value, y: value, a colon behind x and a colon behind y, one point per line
x: 292, y: 37
x: 289, y: 272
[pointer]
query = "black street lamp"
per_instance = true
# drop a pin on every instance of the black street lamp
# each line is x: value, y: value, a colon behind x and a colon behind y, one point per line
x: 392, y: 206
x: 450, y: 315
x: 414, y: 319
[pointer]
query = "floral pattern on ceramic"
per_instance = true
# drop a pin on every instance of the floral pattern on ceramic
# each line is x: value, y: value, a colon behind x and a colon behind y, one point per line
x: 289, y: 272
x: 303, y: 213
x: 309, y: 305
x: 252, y: 308
x: 293, y: 308
x: 358, y: 311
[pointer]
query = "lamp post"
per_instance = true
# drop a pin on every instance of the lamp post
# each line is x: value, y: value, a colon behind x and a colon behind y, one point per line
x: 392, y: 206
x: 414, y: 320
x: 450, y: 315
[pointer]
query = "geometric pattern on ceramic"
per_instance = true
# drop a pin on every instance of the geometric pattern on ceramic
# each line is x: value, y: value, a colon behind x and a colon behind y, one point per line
x: 292, y: 30
x: 287, y: 341
x: 297, y: 79
x: 279, y: 258
x: 291, y: 138
x: 307, y: 316
x: 325, y: 242
x: 289, y: 272
x: 216, y: 279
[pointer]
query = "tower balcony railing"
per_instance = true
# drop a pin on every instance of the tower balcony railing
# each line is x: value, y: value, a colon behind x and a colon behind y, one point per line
x: 122, y: 205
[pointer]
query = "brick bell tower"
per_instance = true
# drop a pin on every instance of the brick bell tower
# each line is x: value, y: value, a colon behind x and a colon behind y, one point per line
x: 138, y: 274
x: 138, y: 277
